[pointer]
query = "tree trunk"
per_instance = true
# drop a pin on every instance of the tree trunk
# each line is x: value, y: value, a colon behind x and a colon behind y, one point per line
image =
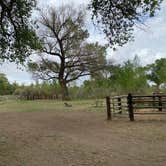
x: 158, y: 88
x: 64, y: 89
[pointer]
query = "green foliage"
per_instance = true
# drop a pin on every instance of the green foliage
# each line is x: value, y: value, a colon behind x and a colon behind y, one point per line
x: 45, y: 90
x: 17, y: 36
x: 5, y: 87
x: 113, y: 80
x: 119, y: 79
x: 129, y: 78
x: 118, y: 17
x: 156, y: 72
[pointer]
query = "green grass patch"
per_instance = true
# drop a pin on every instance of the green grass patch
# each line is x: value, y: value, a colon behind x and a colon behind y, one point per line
x: 48, y: 105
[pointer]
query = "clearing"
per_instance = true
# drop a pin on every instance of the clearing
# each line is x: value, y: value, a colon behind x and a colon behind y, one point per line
x: 79, y: 138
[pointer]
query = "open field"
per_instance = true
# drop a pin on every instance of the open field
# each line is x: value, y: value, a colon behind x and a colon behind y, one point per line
x: 46, y: 133
x: 49, y: 105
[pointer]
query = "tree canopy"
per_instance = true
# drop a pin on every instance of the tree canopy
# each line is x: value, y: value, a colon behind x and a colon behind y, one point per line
x: 17, y: 36
x: 6, y: 87
x: 156, y: 72
x: 130, y: 77
x: 118, y: 17
x: 66, y: 55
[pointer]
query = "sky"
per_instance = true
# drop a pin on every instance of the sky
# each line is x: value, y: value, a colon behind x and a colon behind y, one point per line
x: 149, y: 44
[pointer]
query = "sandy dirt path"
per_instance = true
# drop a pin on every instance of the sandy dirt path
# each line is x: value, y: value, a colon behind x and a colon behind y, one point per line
x: 80, y: 139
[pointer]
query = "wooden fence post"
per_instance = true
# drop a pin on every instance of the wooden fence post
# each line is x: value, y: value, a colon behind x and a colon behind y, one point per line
x: 108, y: 104
x: 130, y: 107
x: 160, y: 103
x: 154, y: 104
x: 119, y: 105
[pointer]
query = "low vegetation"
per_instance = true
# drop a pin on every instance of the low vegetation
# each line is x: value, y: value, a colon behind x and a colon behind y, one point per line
x: 113, y: 80
x: 11, y: 104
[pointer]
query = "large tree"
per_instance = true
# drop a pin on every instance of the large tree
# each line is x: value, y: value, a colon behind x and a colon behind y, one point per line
x: 118, y: 17
x: 17, y: 36
x: 66, y: 54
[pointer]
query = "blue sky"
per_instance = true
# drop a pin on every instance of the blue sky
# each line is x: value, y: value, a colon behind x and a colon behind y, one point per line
x: 149, y: 44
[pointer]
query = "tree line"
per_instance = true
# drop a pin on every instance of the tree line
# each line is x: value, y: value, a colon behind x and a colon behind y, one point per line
x: 44, y: 90
x: 113, y: 80
x: 129, y: 77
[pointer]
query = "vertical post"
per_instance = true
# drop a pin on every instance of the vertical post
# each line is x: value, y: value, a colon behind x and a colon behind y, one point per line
x: 130, y: 107
x: 119, y: 105
x: 160, y: 103
x: 109, y: 117
x: 154, y: 104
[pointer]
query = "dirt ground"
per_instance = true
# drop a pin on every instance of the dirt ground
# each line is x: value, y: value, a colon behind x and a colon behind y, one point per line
x: 80, y: 139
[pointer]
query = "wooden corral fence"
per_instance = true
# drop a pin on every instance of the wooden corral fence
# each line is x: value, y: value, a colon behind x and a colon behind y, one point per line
x: 136, y: 104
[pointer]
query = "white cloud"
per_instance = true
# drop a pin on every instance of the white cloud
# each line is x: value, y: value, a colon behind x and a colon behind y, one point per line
x: 149, y: 44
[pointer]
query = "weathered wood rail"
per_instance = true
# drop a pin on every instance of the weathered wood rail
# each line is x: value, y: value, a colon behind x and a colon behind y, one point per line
x: 136, y: 104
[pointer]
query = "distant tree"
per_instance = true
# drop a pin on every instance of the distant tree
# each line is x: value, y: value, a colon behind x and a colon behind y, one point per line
x: 17, y: 36
x: 13, y: 87
x: 96, y: 88
x: 4, y: 85
x: 66, y: 55
x: 44, y: 90
x: 156, y: 72
x: 118, y: 17
x: 130, y: 77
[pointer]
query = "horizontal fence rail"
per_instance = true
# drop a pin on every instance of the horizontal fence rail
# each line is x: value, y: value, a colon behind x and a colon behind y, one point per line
x: 133, y: 104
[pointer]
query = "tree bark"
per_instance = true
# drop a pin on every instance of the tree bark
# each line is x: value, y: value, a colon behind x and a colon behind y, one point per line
x: 64, y: 89
x: 158, y: 88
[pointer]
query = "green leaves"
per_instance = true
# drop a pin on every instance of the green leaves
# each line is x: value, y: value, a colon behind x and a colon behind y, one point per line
x: 118, y: 17
x: 128, y: 77
x: 156, y: 72
x: 17, y: 36
x: 5, y: 87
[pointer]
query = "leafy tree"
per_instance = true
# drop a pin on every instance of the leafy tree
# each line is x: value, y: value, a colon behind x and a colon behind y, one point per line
x: 17, y: 36
x: 129, y: 77
x: 96, y: 88
x: 156, y: 72
x: 118, y: 17
x: 132, y: 79
x: 4, y: 85
x: 13, y: 87
x: 66, y: 55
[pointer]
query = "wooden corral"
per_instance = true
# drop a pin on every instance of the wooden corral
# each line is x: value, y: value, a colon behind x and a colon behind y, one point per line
x: 136, y: 104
